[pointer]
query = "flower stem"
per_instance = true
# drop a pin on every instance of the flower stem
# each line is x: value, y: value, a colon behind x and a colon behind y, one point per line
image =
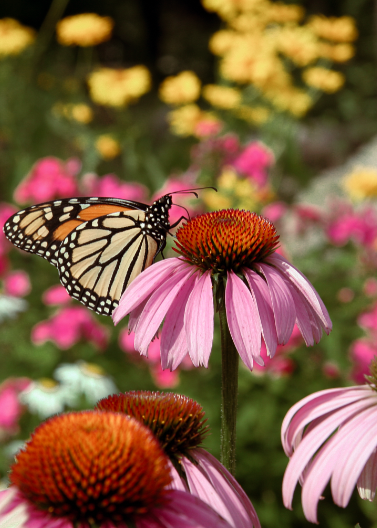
x: 229, y: 393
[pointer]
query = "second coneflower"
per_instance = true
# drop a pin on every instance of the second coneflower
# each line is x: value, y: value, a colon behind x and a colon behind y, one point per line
x: 230, y: 253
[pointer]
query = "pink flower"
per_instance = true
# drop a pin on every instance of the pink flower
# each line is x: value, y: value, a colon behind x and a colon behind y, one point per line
x: 370, y: 287
x: 49, y: 178
x: 208, y: 126
x: 179, y: 424
x: 362, y: 354
x: 215, y: 152
x: 281, y: 364
x: 331, y: 434
x: 54, y: 486
x: 56, y: 295
x: 361, y: 227
x: 112, y: 187
x: 68, y: 326
x: 214, y: 248
x: 17, y: 283
x: 368, y: 321
x: 10, y: 406
x: 254, y: 161
x: 274, y: 211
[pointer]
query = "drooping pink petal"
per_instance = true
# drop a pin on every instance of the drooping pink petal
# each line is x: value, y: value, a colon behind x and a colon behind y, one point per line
x: 198, y: 321
x: 358, y: 441
x: 157, y: 306
x: 304, y: 286
x: 240, y: 511
x: 262, y: 297
x: 173, y: 336
x: 367, y: 482
x: 282, y: 303
x: 303, y: 320
x: 144, y: 285
x: 243, y: 320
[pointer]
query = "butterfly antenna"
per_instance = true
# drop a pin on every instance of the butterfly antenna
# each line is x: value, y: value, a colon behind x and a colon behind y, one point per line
x: 192, y: 191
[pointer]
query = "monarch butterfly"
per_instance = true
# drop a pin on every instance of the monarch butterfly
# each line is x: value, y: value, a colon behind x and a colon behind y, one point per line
x: 99, y: 245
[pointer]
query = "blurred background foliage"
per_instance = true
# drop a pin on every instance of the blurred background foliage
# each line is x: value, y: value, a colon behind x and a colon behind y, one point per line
x: 117, y: 118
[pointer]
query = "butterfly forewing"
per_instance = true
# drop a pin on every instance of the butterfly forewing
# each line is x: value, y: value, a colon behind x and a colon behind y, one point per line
x: 99, y: 245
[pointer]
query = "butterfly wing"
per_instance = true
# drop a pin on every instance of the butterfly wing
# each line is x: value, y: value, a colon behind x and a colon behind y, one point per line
x: 101, y: 257
x: 99, y: 245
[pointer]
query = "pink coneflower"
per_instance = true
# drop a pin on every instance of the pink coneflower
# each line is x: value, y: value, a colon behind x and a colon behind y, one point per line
x: 332, y: 434
x: 180, y: 425
x: 97, y: 469
x: 264, y: 294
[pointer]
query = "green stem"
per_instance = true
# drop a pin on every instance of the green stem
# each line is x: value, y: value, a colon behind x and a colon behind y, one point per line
x: 229, y: 393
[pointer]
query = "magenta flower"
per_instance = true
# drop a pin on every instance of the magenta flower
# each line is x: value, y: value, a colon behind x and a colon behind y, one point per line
x: 56, y: 295
x: 102, y: 469
x: 363, y: 351
x: 214, y: 248
x: 17, y: 283
x: 49, y: 178
x: 331, y: 434
x: 179, y: 424
x: 68, y: 326
x: 254, y: 161
x: 111, y: 185
x: 10, y: 406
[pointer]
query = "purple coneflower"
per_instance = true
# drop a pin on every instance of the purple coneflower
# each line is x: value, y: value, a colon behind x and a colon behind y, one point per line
x: 97, y: 469
x: 332, y: 434
x: 264, y: 294
x: 179, y: 424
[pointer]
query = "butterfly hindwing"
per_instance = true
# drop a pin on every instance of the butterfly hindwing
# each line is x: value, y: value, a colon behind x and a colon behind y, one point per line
x: 100, y: 258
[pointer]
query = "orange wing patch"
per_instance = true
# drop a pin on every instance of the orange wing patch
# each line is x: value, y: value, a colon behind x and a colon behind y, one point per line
x: 64, y: 229
x: 95, y: 211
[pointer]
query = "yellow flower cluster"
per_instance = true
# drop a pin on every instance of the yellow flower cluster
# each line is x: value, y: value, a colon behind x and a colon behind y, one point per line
x: 14, y: 37
x: 234, y: 191
x: 80, y: 112
x: 259, y: 37
x: 107, y: 146
x: 87, y: 29
x: 361, y: 183
x: 191, y: 120
x: 323, y: 79
x: 222, y: 96
x: 180, y: 89
x: 118, y: 88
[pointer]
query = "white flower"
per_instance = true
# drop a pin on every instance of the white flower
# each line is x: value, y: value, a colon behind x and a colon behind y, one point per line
x: 86, y: 378
x: 11, y: 306
x: 46, y: 397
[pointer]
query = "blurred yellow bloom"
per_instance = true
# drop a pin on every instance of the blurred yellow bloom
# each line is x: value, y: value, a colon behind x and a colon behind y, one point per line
x: 180, y: 89
x: 215, y: 200
x: 222, y: 96
x: 361, y: 183
x: 254, y: 114
x: 336, y: 52
x: 222, y: 41
x: 81, y: 112
x: 283, y: 13
x: 342, y: 29
x: 184, y: 120
x: 118, y: 88
x: 233, y: 191
x: 107, y: 146
x: 14, y: 37
x: 299, y: 44
x: 87, y: 29
x: 323, y: 79
x: 228, y: 9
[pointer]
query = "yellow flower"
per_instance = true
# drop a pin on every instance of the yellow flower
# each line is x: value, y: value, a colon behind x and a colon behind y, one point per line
x: 180, y: 89
x: 233, y: 191
x: 118, y: 88
x: 87, y: 29
x: 361, y: 183
x: 222, y: 41
x: 184, y: 120
x: 107, y: 146
x: 283, y: 13
x: 82, y: 113
x: 14, y: 37
x: 292, y: 100
x: 337, y: 52
x: 342, y: 29
x: 254, y: 114
x: 299, y: 44
x: 323, y: 79
x: 228, y: 9
x: 222, y: 96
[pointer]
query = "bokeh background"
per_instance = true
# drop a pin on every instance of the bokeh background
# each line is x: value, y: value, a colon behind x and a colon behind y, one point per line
x: 274, y: 104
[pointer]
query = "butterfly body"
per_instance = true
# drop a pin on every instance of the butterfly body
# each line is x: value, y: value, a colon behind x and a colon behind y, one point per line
x: 99, y: 245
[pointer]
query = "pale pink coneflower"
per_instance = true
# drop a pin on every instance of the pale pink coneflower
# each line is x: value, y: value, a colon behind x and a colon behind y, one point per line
x: 331, y: 434
x: 97, y: 469
x: 264, y: 294
x: 180, y: 426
